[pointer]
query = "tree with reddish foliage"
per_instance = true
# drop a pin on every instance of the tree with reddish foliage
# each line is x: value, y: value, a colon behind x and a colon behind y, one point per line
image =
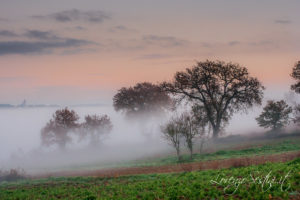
x: 95, y: 127
x: 221, y: 88
x: 57, y: 129
x: 276, y: 115
x: 296, y: 75
x: 143, y: 98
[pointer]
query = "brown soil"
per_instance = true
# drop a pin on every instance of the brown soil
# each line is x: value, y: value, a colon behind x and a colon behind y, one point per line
x: 195, y: 166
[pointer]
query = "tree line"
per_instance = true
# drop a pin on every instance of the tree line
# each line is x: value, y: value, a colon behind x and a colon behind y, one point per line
x: 213, y: 92
x: 65, y: 124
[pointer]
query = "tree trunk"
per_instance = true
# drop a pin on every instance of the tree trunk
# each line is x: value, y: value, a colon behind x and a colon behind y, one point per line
x: 178, y: 153
x: 201, y: 145
x: 191, y: 152
x: 216, y: 131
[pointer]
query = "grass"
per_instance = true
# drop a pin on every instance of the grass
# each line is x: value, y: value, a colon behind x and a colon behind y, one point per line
x: 188, y: 185
x: 265, y: 148
x: 274, y: 148
x: 229, y: 147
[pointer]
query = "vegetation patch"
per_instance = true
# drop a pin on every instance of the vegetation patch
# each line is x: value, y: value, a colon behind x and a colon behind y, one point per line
x: 267, y: 181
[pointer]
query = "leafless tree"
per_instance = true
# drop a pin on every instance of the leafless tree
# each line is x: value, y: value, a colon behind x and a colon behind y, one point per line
x: 222, y: 88
x: 204, y: 128
x: 57, y: 129
x: 275, y: 115
x: 189, y: 128
x: 143, y: 98
x: 95, y: 127
x: 171, y: 133
x: 296, y: 75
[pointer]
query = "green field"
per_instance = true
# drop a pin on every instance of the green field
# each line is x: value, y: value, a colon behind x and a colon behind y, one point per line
x: 188, y: 185
x: 278, y: 147
x: 266, y: 148
x: 270, y: 181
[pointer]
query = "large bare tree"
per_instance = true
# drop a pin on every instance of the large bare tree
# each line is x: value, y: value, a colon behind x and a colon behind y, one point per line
x: 143, y: 98
x: 222, y: 88
x: 296, y: 75
x: 57, y: 129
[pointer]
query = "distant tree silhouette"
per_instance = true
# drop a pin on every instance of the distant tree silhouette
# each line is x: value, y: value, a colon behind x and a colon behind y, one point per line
x: 275, y: 115
x: 296, y: 75
x: 57, y: 129
x: 95, y: 127
x: 143, y: 98
x: 221, y: 88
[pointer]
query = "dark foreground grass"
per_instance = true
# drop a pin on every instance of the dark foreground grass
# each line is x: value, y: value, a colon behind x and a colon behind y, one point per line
x: 268, y: 181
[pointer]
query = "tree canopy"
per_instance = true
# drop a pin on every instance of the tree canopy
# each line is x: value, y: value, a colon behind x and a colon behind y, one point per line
x: 275, y: 115
x: 94, y: 127
x: 56, y: 130
x: 221, y: 88
x: 143, y: 98
x: 296, y: 75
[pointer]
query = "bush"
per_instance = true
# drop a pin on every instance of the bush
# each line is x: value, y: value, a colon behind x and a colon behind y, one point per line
x: 12, y: 175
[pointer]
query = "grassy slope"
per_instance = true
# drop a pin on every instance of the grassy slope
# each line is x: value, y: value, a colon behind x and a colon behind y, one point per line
x: 230, y: 147
x: 273, y: 148
x: 188, y: 185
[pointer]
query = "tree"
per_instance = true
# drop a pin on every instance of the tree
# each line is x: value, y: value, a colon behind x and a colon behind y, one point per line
x: 172, y: 134
x: 296, y: 75
x: 143, y: 98
x: 221, y: 88
x: 189, y: 128
x: 198, y: 112
x: 296, y: 118
x: 275, y: 115
x: 94, y: 127
x: 56, y: 130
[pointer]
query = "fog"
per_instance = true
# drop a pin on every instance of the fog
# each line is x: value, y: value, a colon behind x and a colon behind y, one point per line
x: 20, y: 145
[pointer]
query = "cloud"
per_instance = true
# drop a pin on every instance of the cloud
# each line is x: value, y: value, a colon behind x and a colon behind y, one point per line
x: 79, y: 28
x: 121, y: 28
x: 95, y: 16
x: 37, y: 47
x: 42, y: 42
x: 153, y: 56
x: 7, y: 33
x: 164, y: 41
x: 41, y: 35
x: 282, y: 21
x: 262, y: 43
x: 233, y: 43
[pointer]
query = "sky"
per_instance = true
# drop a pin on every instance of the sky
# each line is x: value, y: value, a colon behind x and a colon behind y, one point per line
x: 81, y: 52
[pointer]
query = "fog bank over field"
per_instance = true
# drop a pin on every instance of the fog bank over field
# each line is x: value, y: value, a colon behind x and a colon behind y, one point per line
x: 20, y: 144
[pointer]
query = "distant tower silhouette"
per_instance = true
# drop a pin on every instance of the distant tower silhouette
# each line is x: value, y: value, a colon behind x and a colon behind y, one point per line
x: 23, y: 104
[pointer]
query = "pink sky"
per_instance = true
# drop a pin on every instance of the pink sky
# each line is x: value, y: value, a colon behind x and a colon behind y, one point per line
x: 82, y: 53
